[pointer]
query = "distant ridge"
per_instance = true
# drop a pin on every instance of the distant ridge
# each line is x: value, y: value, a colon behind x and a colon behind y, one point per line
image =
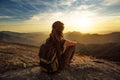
x: 39, y: 37
x: 113, y: 37
x: 23, y: 38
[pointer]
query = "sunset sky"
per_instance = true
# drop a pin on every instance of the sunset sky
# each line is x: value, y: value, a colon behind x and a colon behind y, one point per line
x: 86, y: 16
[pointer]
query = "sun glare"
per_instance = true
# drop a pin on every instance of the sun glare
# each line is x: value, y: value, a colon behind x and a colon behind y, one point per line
x: 83, y: 24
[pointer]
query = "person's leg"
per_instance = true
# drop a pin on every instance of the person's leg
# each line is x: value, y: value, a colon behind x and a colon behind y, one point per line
x: 67, y: 56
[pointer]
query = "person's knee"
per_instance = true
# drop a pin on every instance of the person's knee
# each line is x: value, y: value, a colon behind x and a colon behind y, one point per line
x: 72, y: 47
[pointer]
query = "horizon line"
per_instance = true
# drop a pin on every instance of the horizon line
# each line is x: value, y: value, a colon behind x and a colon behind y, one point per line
x: 101, y: 32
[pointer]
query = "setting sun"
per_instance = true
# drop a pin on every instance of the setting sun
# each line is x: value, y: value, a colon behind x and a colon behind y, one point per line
x: 84, y: 24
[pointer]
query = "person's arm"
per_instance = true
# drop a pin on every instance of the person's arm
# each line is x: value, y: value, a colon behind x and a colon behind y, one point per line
x: 70, y: 43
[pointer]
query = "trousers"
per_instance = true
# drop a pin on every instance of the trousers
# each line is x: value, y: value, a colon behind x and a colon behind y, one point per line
x: 66, y: 57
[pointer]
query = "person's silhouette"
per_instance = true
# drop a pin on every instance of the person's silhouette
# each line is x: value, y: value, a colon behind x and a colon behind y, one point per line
x: 64, y: 47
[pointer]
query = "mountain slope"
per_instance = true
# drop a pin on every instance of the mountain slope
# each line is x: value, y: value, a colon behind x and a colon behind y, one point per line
x: 109, y: 51
x: 23, y: 38
x: 21, y: 62
x: 94, y: 38
x: 38, y: 38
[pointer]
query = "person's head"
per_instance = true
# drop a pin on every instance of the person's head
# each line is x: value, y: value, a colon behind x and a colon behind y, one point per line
x: 57, y: 32
x: 58, y: 26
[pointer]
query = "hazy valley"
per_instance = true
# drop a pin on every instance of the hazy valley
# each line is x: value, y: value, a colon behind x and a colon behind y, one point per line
x: 39, y: 37
x: 105, y: 46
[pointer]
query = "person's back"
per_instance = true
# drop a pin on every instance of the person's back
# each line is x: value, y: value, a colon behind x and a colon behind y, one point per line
x: 56, y: 39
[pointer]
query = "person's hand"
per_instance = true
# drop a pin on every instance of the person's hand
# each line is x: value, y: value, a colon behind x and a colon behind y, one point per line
x: 70, y: 43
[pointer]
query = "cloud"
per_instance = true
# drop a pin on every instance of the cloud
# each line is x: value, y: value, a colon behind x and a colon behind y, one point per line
x: 24, y: 9
x: 28, y: 9
x: 85, y: 7
x: 110, y: 2
x: 66, y: 2
x: 67, y: 17
x: 5, y: 17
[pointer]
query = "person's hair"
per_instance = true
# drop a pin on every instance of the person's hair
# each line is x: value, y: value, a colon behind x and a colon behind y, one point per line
x: 57, y: 32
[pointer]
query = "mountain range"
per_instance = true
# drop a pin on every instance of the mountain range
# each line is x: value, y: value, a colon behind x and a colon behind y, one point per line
x: 113, y: 37
x: 105, y: 46
x: 23, y: 38
x: 39, y: 37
